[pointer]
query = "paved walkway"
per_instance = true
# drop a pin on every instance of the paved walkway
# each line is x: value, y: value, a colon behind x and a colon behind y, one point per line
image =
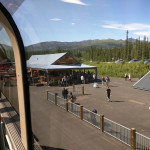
x: 57, y: 129
x: 129, y: 106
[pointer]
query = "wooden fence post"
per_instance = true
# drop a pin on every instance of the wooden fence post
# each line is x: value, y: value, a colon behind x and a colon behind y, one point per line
x: 82, y: 90
x: 102, y: 123
x: 133, y: 138
x: 73, y: 87
x: 81, y: 112
x: 66, y: 104
x: 55, y: 98
x: 47, y: 95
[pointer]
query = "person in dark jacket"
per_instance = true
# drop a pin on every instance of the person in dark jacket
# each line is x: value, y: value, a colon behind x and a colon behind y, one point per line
x: 65, y: 93
x: 108, y: 91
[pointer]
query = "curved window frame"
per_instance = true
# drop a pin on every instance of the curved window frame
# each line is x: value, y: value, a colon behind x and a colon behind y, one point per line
x: 22, y: 82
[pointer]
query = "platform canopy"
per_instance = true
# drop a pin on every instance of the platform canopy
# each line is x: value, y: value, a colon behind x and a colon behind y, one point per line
x: 56, y: 61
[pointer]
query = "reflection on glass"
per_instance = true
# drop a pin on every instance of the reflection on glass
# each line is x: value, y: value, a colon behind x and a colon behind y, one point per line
x: 12, y: 5
x: 8, y: 82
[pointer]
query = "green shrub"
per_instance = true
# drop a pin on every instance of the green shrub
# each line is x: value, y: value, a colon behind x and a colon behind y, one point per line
x: 119, y: 69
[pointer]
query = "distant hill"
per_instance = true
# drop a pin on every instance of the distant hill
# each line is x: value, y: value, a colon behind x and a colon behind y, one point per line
x: 81, y: 45
x: 54, y: 45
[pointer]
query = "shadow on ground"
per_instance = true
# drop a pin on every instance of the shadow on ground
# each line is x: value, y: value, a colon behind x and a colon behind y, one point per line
x: 117, y: 101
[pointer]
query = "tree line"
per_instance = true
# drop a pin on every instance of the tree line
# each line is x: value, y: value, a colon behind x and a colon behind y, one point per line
x: 140, y: 49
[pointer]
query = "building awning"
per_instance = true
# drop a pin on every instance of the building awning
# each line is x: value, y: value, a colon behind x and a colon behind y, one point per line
x: 59, y: 67
x: 58, y: 61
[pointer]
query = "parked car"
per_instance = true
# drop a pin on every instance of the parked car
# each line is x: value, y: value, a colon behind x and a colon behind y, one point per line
x: 134, y: 60
x: 147, y: 61
x: 119, y: 61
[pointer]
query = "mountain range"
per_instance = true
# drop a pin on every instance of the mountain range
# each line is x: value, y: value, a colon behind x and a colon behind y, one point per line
x: 81, y: 45
x: 54, y: 45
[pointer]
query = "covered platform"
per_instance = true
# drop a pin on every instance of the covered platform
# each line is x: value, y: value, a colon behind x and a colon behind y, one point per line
x: 51, y: 68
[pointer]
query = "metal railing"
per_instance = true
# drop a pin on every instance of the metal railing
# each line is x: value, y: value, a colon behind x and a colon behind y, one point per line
x: 74, y: 108
x: 61, y: 102
x: 76, y: 91
x: 51, y: 97
x: 117, y: 131
x: 142, y: 142
x: 91, y: 118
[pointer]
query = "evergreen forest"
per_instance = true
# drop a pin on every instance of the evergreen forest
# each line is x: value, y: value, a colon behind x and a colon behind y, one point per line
x: 139, y: 49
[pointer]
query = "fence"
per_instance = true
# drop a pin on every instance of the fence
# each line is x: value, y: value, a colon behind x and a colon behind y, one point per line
x: 128, y: 136
x: 74, y: 108
x: 91, y: 118
x: 117, y: 131
x: 61, y: 102
x: 142, y: 142
x: 76, y: 91
x: 51, y: 97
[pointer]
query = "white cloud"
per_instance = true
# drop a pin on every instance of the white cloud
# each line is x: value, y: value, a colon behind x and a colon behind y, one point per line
x: 55, y: 19
x: 74, y: 2
x: 73, y: 23
x: 131, y: 27
x: 142, y: 33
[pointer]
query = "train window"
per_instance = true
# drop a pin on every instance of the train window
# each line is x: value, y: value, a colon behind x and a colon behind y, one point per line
x: 43, y: 44
x: 8, y: 80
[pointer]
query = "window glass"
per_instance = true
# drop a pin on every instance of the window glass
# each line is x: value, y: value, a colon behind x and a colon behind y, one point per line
x: 60, y: 35
x: 8, y: 82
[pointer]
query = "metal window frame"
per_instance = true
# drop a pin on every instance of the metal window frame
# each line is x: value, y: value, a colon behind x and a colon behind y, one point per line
x: 22, y: 83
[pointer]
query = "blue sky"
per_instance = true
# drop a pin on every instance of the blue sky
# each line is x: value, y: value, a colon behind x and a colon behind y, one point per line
x: 77, y: 20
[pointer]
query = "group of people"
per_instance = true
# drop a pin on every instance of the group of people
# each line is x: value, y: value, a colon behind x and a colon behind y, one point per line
x: 78, y: 77
x: 65, y: 95
x: 127, y: 76
x: 105, y: 79
x: 66, y: 80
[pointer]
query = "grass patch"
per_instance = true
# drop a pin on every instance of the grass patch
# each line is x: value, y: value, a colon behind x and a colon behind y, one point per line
x: 118, y: 70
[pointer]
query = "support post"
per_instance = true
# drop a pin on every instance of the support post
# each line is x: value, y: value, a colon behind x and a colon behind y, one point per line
x: 47, y: 95
x: 102, y: 123
x: 73, y: 87
x: 81, y: 112
x: 31, y: 72
x: 48, y: 82
x: 133, y: 139
x: 82, y: 90
x: 66, y: 104
x: 55, y: 98
x: 96, y: 75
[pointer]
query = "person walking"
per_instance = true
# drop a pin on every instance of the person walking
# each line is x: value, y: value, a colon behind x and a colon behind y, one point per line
x: 108, y: 91
x: 107, y: 81
x: 94, y: 77
x: 82, y: 79
x: 103, y: 80
x: 125, y: 76
x: 129, y: 77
